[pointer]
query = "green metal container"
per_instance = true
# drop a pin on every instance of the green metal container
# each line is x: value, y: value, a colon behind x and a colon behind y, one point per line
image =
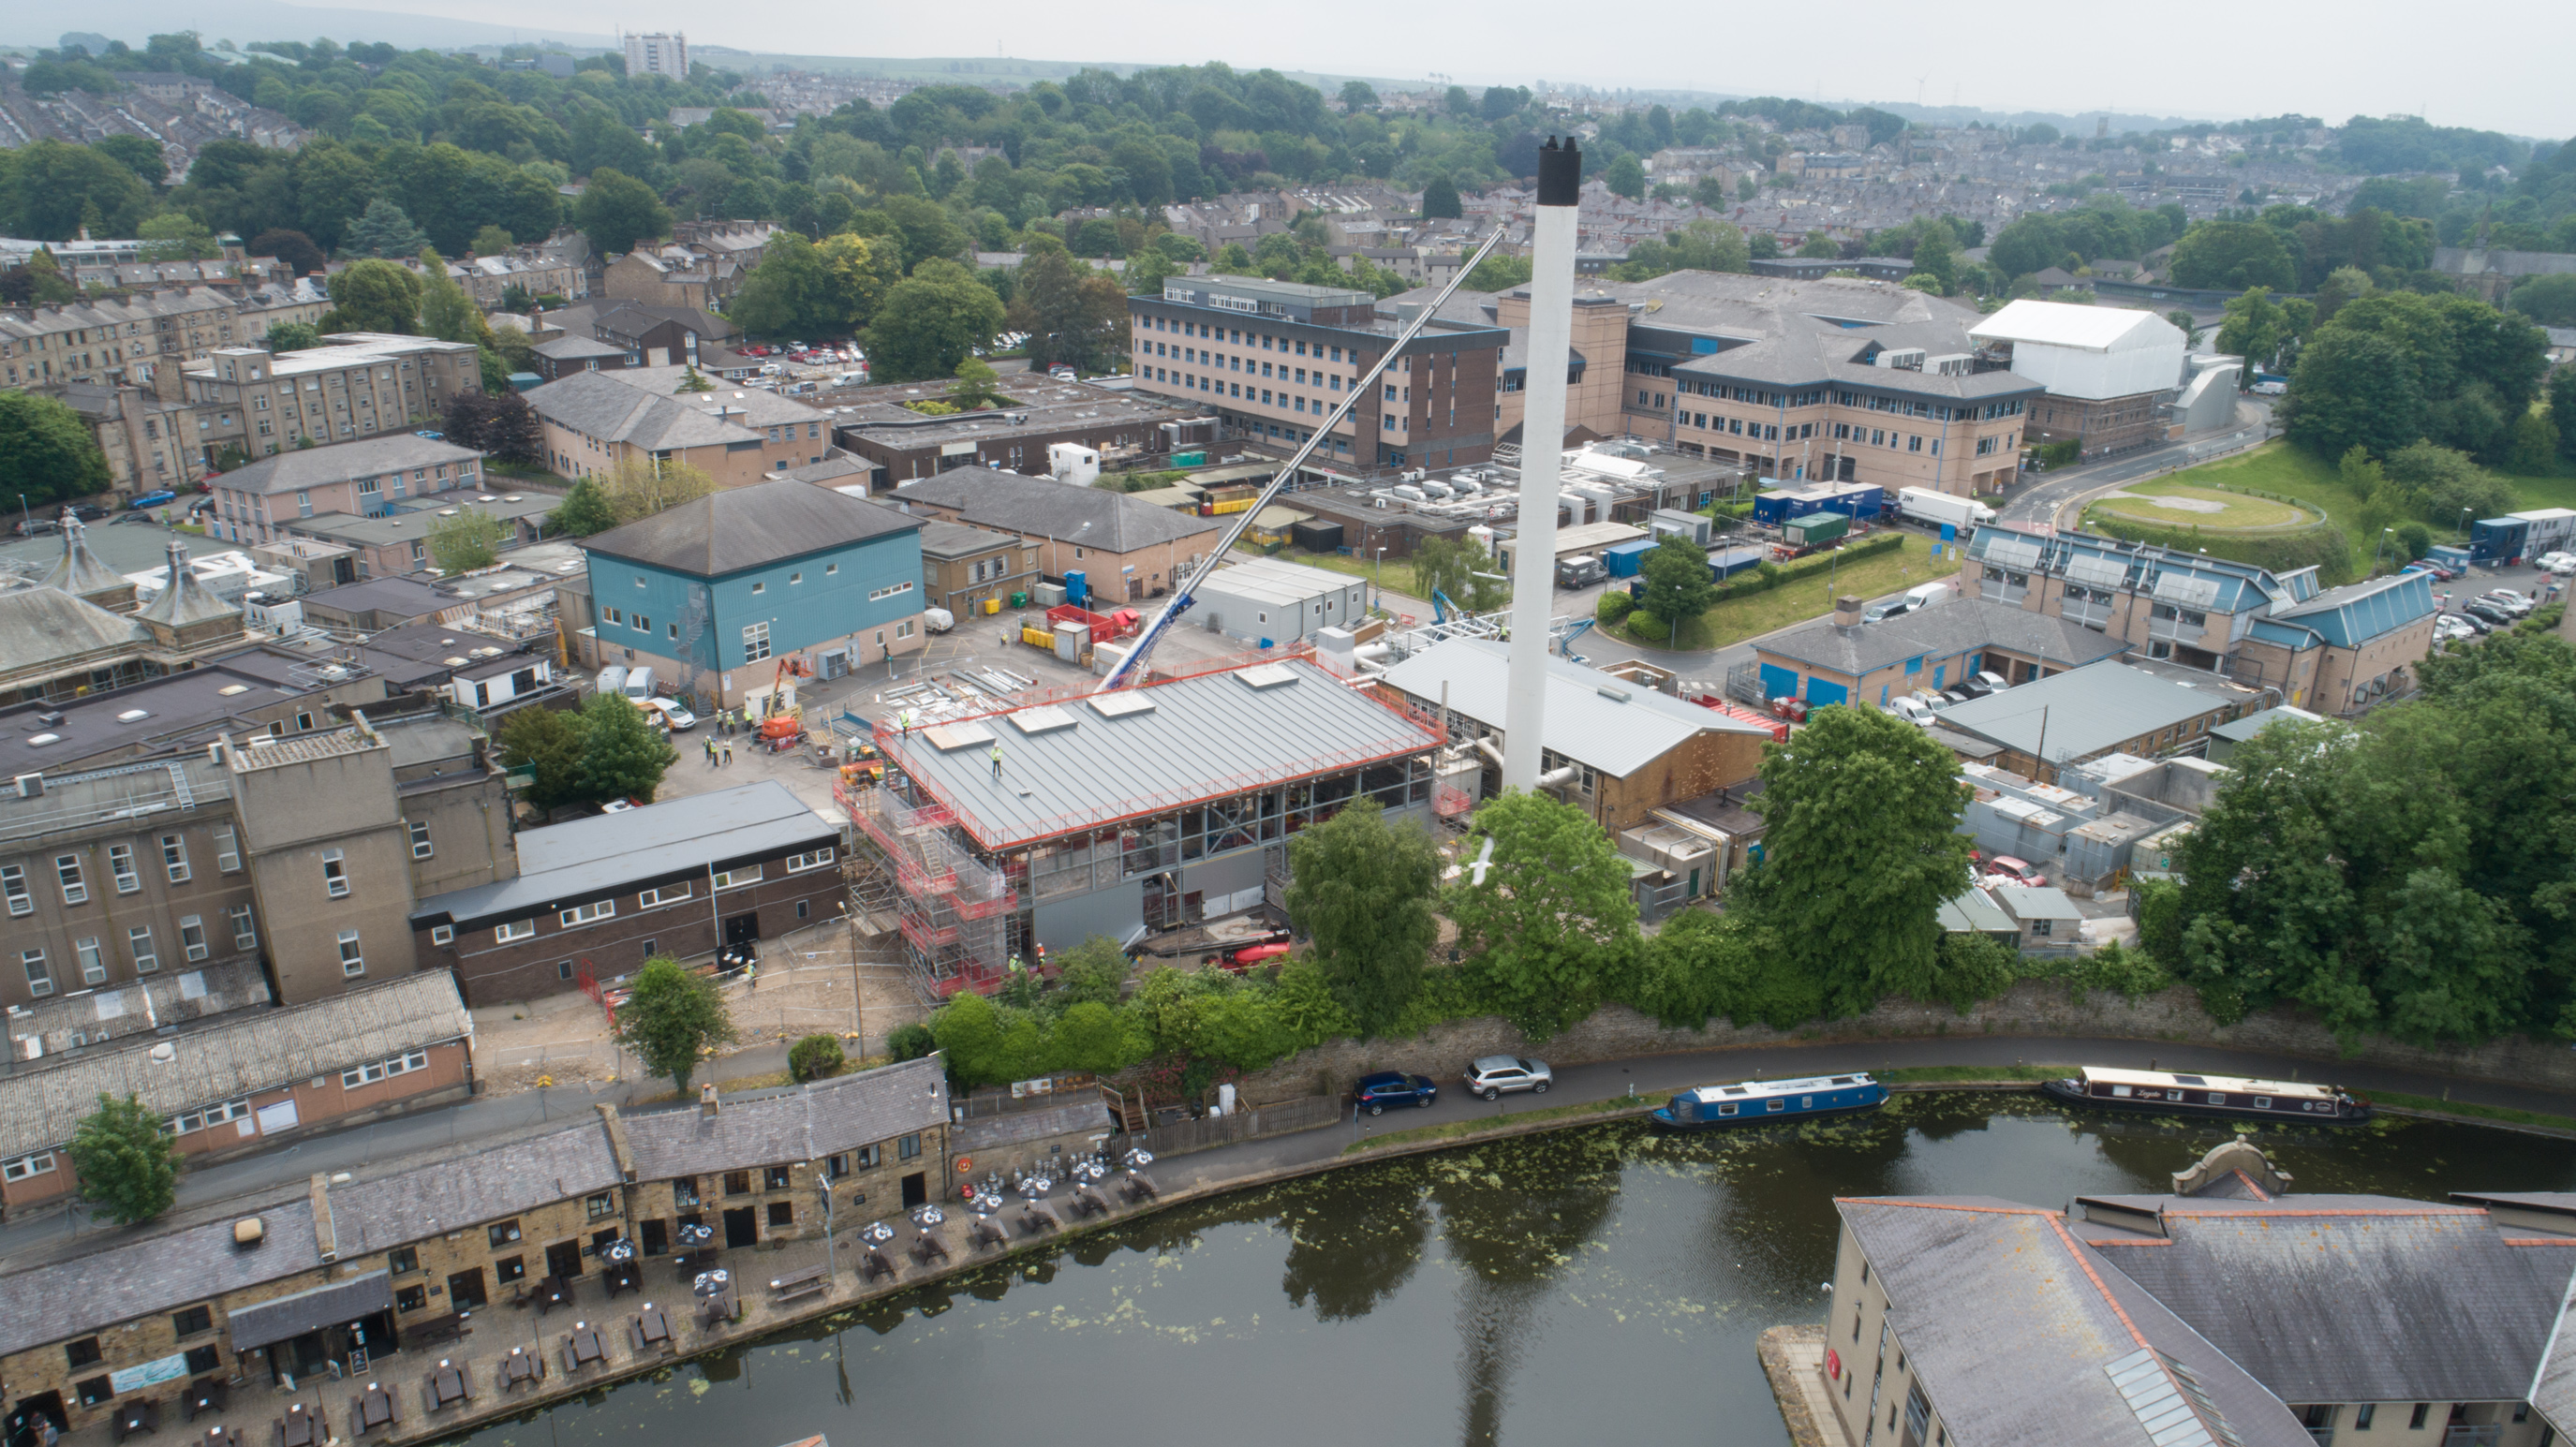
x: 1815, y: 527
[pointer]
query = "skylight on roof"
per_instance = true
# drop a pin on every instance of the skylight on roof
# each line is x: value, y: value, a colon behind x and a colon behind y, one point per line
x: 1125, y: 704
x: 1044, y: 719
x: 1266, y: 675
x: 948, y: 738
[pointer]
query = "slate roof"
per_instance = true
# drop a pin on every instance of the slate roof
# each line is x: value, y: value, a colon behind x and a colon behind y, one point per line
x: 945, y: 540
x: 1960, y: 625
x: 2086, y: 710
x: 800, y: 1125
x: 2011, y: 1322
x: 2356, y: 1298
x: 569, y: 348
x: 149, y: 1271
x: 78, y: 571
x: 341, y: 461
x: 1043, y: 507
x: 1615, y: 735
x: 601, y: 405
x: 42, y: 1104
x: 737, y: 529
x: 608, y: 854
x: 473, y: 1187
x: 183, y: 600
x: 47, y: 623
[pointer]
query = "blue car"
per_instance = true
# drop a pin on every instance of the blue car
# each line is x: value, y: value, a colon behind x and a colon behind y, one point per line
x: 1394, y: 1087
x: 152, y: 499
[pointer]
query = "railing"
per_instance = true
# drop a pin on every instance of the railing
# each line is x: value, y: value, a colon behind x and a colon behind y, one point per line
x: 1305, y: 1113
x: 2484, y: 1435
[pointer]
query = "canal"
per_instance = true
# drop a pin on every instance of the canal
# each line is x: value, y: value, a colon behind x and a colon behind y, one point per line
x: 1601, y: 1282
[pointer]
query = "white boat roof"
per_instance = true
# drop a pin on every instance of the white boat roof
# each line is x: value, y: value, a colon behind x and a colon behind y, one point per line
x: 2167, y: 1080
x: 1758, y: 1088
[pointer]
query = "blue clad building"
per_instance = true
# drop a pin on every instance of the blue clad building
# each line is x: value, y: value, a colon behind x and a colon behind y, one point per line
x: 712, y: 593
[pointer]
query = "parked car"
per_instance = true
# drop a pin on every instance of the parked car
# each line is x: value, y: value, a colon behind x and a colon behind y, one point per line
x: 2494, y: 614
x: 1913, y: 710
x: 2456, y: 629
x: 36, y: 527
x: 679, y: 718
x: 1957, y: 695
x: 1393, y: 1087
x: 2476, y: 626
x: 88, y: 512
x: 1494, y: 1074
x: 2436, y: 571
x: 1881, y: 612
x: 152, y: 499
x: 1994, y: 682
x: 2511, y: 601
x: 2014, y: 871
x: 2565, y: 565
x: 432, y: 434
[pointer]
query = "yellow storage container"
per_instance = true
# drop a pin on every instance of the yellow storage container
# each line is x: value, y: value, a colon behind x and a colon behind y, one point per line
x: 992, y: 605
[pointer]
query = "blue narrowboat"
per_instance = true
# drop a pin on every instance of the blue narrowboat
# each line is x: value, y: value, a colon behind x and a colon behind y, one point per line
x: 1713, y: 1107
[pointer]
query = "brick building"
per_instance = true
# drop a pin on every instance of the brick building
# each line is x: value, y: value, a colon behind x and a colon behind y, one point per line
x: 596, y: 421
x: 364, y: 478
x: 1126, y: 549
x: 1039, y: 413
x: 600, y: 896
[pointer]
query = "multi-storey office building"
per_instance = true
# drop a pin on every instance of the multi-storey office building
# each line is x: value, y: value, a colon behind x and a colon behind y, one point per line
x: 1272, y: 358
x: 357, y: 384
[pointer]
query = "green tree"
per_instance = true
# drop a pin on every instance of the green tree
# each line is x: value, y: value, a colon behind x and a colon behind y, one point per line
x: 1088, y: 1036
x: 2562, y: 409
x: 383, y: 231
x: 1820, y: 247
x: 1625, y: 177
x: 931, y: 321
x: 285, y: 337
x: 672, y: 1016
x: 1094, y: 971
x: 619, y: 213
x: 1678, y: 586
x: 467, y: 541
x: 978, y: 386
x: 585, y: 511
x: 491, y: 240
x: 970, y: 1032
x: 856, y: 275
x: 548, y: 744
x: 1358, y: 95
x: 1363, y: 890
x: 374, y: 296
x: 816, y: 1057
x: 1462, y: 569
x: 2548, y: 300
x: 1499, y: 273
x: 177, y: 236
x: 46, y: 451
x: 2535, y: 445
x: 2351, y: 389
x: 446, y: 312
x: 786, y: 294
x: 2233, y: 255
x: 2344, y: 284
x: 138, y: 154
x: 1440, y: 200
x: 621, y: 756
x: 1552, y: 926
x: 1859, y: 809
x: 129, y: 1166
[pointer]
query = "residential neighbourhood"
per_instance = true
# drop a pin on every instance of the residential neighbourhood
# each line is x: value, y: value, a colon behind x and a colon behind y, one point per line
x: 782, y: 684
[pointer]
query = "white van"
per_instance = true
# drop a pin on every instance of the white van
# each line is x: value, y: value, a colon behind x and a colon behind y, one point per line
x: 1927, y: 595
x: 612, y: 679
x: 639, y: 685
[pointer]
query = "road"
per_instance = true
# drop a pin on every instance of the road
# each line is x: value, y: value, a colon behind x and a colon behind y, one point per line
x: 2042, y: 501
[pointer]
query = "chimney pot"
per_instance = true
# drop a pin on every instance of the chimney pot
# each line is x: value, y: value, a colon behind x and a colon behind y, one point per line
x: 707, y: 1098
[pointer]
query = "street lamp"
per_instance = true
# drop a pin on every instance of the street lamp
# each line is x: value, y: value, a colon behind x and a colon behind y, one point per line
x: 2464, y: 525
x: 2376, y: 553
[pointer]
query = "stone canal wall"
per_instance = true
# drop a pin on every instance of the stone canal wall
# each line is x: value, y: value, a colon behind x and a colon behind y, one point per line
x: 2032, y: 1007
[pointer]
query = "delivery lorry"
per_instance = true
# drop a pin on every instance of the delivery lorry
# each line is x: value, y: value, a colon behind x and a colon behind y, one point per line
x: 1940, y: 509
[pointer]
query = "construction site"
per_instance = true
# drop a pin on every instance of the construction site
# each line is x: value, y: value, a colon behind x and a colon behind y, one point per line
x: 1030, y: 826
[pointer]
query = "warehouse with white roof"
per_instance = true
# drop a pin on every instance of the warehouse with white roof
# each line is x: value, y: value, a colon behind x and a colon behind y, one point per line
x: 2109, y: 371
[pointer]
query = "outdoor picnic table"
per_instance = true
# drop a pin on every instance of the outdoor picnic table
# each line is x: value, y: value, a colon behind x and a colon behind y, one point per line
x: 448, y: 1385
x: 583, y: 1347
x: 373, y: 1408
x: 714, y: 1291
x: 206, y: 1394
x: 222, y: 1437
x: 652, y: 1328
x: 623, y: 1276
x: 521, y: 1367
x: 551, y: 1292
x: 302, y: 1428
x: 808, y: 1282
x: 137, y: 1416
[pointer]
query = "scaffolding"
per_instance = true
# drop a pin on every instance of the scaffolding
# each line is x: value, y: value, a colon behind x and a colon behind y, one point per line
x: 955, y: 911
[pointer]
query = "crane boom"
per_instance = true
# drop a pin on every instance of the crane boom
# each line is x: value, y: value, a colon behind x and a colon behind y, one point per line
x: 1132, y: 666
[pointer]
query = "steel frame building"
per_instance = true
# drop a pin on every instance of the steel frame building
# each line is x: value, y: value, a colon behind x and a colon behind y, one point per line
x: 1117, y: 813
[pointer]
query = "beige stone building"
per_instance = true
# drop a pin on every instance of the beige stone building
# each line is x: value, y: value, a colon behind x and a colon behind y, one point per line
x: 357, y: 384
x: 596, y: 421
x: 1128, y: 550
x: 147, y: 340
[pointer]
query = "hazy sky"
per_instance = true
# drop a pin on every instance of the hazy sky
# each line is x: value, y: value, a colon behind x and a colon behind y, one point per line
x: 2507, y: 71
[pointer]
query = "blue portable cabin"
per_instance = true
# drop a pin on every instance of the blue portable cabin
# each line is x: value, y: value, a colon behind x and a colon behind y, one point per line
x: 1725, y: 563
x: 1625, y: 560
x: 2450, y: 555
x: 1778, y: 506
x: 1714, y: 1107
x: 1859, y: 501
x: 2497, y: 541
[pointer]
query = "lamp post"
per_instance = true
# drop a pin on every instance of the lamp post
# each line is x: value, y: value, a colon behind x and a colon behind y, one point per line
x: 2464, y: 525
x: 2378, y: 552
x: 1381, y: 577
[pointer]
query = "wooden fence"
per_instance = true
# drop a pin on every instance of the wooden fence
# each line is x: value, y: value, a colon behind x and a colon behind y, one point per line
x: 1304, y: 1113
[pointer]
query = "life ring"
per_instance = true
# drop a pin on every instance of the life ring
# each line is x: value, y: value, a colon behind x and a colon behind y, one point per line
x: 965, y: 1164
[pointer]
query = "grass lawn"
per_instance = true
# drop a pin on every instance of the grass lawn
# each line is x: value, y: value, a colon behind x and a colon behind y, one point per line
x: 1398, y: 577
x: 2278, y: 467
x: 2177, y: 504
x: 1742, y: 618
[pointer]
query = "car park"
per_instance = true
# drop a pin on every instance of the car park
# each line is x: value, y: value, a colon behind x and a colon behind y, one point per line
x: 1494, y: 1075
x: 1393, y: 1087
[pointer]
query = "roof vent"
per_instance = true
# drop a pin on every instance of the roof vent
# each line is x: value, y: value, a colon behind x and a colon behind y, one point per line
x: 1266, y: 675
x: 948, y: 738
x: 31, y: 786
x: 1121, y: 705
x: 134, y: 715
x: 50, y: 718
x: 250, y: 1233
x: 163, y: 1053
x: 40, y: 740
x: 229, y: 689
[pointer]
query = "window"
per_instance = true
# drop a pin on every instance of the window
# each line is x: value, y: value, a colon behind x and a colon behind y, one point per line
x: 384, y: 1069
x: 647, y: 899
x: 420, y: 846
x: 610, y: 615
x: 120, y: 863
x: 774, y: 1178
x: 96, y: 1392
x: 84, y: 1352
x: 146, y: 958
x: 402, y: 1261
x: 600, y: 1206
x: 585, y: 913
x: 40, y: 979
x: 736, y: 878
x: 737, y: 1183
x: 799, y: 863
x: 782, y: 1214
x: 759, y: 588
x: 174, y: 857
x: 643, y: 624
x: 684, y: 1193
x: 41, y: 1163
x: 563, y: 969
x: 908, y: 1148
x: 503, y: 934
x: 93, y: 960
x: 352, y: 964
x: 192, y: 937
x: 191, y: 1121
x: 442, y: 934
x: 335, y: 874
x: 13, y: 882
x: 889, y: 591
x: 755, y: 643
x: 411, y: 1298
x: 195, y: 1321
x: 244, y: 936
x: 502, y: 1233
x: 2415, y: 1422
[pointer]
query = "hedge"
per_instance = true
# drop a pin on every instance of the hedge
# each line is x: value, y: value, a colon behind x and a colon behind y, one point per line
x: 1613, y: 607
x: 1767, y: 576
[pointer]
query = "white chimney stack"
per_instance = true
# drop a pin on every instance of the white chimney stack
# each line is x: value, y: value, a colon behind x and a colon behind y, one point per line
x: 1551, y: 341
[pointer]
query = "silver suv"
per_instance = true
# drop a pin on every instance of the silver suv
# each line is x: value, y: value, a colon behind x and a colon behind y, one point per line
x: 1494, y: 1074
